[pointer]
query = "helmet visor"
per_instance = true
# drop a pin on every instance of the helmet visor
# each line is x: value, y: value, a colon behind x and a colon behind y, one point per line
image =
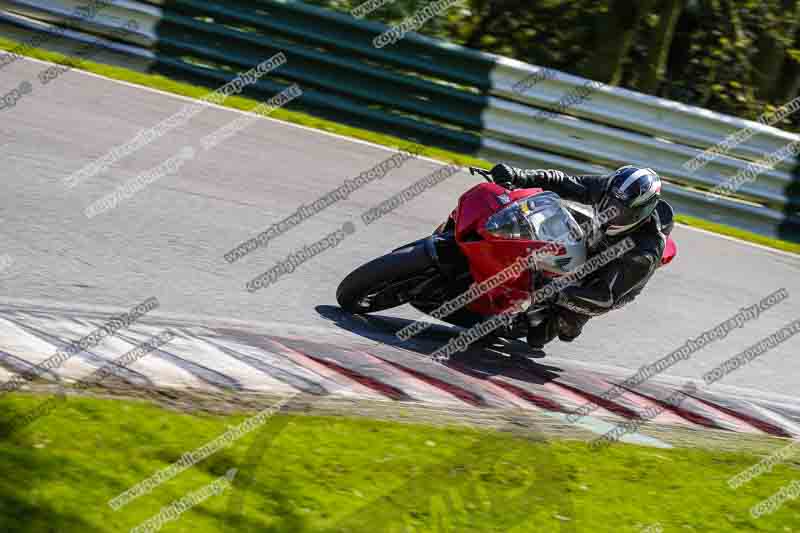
x: 625, y: 218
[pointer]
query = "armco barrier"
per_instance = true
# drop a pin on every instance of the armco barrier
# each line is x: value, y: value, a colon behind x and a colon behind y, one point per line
x: 666, y: 119
x: 441, y: 94
x: 106, y: 19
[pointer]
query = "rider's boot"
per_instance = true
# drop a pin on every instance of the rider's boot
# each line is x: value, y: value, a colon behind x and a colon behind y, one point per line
x: 542, y: 334
x: 570, y: 325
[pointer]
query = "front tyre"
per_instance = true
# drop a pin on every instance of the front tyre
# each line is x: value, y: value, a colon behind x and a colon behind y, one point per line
x: 387, y: 281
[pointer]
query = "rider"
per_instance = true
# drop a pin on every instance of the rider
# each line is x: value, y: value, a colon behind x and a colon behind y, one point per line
x: 642, y: 215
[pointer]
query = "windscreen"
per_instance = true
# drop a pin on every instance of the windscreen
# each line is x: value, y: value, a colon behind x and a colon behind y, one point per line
x: 540, y: 217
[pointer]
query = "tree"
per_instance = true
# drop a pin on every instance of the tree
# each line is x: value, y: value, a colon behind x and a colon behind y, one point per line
x: 788, y: 84
x: 614, y: 34
x: 660, y: 44
x: 773, y: 42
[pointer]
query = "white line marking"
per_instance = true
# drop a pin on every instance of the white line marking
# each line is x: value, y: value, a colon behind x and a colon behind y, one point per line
x: 241, y: 112
x: 356, y: 141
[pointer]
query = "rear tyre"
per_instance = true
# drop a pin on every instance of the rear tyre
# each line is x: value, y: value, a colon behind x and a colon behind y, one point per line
x: 385, y: 282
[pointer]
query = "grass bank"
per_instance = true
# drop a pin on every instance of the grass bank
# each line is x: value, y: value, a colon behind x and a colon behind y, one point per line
x: 299, y: 473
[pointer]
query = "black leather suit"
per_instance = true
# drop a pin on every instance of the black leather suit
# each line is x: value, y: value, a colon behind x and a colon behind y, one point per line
x: 617, y: 283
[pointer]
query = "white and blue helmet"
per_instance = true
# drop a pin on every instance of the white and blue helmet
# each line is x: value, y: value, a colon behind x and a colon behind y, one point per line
x: 634, y: 192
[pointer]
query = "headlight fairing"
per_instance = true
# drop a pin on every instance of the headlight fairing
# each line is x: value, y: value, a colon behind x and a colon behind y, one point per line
x: 543, y: 218
x: 539, y: 217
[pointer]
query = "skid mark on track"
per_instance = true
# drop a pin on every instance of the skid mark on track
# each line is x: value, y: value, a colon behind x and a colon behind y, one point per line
x: 82, y: 362
x: 345, y: 385
x: 184, y: 360
x: 269, y: 365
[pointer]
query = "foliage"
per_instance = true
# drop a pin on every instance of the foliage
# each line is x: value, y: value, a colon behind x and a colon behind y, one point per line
x: 739, y: 57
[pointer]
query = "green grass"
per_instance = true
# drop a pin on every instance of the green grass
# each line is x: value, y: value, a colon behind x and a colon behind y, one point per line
x: 236, y: 102
x: 736, y: 233
x: 305, y: 473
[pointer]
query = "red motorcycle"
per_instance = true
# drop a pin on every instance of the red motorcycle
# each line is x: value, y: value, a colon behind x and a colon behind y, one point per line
x: 492, y: 228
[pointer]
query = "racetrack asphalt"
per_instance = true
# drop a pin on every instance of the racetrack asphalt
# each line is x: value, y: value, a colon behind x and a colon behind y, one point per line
x: 168, y: 240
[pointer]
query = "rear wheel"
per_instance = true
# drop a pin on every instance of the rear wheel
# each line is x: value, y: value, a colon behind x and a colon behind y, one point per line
x: 387, y: 281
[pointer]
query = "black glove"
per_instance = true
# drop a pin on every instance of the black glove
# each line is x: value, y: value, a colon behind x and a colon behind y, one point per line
x: 546, y: 174
x: 503, y: 174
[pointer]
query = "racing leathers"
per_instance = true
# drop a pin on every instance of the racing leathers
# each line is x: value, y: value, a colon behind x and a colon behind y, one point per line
x: 615, y: 284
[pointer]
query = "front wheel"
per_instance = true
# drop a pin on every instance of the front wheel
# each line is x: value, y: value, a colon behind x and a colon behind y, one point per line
x: 387, y: 281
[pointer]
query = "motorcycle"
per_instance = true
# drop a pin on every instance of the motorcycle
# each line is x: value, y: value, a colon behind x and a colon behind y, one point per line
x: 491, y: 228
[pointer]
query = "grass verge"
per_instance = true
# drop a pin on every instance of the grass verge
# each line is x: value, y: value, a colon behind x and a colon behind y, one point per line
x: 165, y: 84
x: 300, y: 473
x: 736, y: 233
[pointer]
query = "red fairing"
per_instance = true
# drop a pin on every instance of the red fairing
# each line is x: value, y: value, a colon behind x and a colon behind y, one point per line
x: 670, y: 251
x: 475, y: 207
x: 488, y: 254
x: 487, y: 258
